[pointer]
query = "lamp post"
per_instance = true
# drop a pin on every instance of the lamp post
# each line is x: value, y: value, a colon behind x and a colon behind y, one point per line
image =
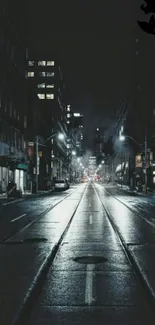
x: 60, y: 137
x: 122, y: 138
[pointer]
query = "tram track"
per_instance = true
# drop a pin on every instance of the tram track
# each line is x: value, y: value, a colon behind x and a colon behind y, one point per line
x: 148, y: 294
x: 139, y: 214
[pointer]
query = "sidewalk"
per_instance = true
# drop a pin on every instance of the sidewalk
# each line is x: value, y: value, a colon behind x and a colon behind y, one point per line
x: 27, y: 194
x: 4, y: 199
x: 126, y: 188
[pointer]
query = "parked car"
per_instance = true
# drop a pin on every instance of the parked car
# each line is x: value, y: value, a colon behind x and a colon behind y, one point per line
x: 61, y: 184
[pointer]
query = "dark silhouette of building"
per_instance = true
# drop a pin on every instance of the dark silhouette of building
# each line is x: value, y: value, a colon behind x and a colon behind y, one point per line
x: 13, y: 94
x: 50, y: 119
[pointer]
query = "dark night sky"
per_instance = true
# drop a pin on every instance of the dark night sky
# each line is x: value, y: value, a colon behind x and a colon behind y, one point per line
x: 95, y: 44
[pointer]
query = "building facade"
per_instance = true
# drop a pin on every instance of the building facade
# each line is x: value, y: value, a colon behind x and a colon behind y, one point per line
x: 46, y: 79
x: 13, y: 109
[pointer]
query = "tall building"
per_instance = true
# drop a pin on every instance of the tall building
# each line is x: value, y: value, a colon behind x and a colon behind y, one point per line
x: 99, y: 144
x: 13, y: 94
x: 92, y: 165
x: 79, y: 132
x: 46, y: 79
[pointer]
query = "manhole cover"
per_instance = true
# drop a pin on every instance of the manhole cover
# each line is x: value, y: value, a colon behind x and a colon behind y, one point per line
x: 34, y: 240
x: 90, y: 259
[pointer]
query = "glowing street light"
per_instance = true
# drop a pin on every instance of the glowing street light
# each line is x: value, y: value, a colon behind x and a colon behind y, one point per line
x: 122, y: 137
x: 60, y: 136
x: 74, y: 153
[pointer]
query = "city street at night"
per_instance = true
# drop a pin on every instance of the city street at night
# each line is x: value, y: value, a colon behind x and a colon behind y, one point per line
x: 88, y: 259
x: 77, y: 162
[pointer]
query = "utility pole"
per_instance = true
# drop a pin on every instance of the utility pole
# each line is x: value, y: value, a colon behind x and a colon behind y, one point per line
x: 145, y: 162
x: 121, y: 166
x: 36, y: 164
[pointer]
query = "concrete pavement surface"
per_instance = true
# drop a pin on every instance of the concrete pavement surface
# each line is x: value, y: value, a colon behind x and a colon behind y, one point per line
x: 69, y: 266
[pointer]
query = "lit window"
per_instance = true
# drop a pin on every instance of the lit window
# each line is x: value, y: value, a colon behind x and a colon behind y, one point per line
x: 68, y: 122
x: 68, y: 115
x: 30, y: 74
x: 41, y: 63
x: 50, y: 74
x: 50, y: 96
x: 52, y: 141
x: 68, y: 108
x: 50, y: 86
x: 41, y: 85
x: 76, y: 114
x: 42, y: 74
x: 41, y: 96
x: 50, y: 63
x: 31, y: 63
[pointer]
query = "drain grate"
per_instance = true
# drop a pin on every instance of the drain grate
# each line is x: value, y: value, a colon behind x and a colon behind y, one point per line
x: 90, y: 259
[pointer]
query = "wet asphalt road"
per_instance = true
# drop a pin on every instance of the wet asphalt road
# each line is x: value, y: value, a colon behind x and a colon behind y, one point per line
x: 16, y: 215
x: 90, y: 280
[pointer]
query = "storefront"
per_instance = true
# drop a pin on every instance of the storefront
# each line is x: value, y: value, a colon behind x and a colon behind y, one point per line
x: 20, y: 176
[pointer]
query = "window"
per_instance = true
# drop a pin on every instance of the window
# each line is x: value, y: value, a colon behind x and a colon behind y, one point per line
x: 50, y: 96
x: 41, y: 85
x: 50, y: 86
x: 31, y: 63
x: 50, y: 74
x: 41, y: 96
x: 42, y: 74
x: 30, y: 74
x: 68, y: 115
x: 68, y: 122
x: 68, y: 108
x: 41, y: 63
x: 50, y: 63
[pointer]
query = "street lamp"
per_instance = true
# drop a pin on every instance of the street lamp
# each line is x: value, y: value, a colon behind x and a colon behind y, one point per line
x: 60, y: 136
x: 73, y: 152
x: 123, y: 137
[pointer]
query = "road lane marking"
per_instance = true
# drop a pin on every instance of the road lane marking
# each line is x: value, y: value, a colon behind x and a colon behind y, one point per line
x: 90, y: 219
x: 18, y: 200
x: 23, y: 215
x: 89, y: 204
x: 89, y: 284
